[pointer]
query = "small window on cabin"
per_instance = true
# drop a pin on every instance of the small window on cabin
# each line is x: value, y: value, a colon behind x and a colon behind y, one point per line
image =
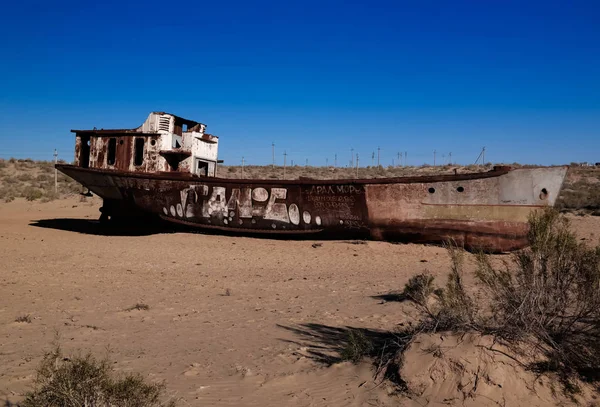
x: 184, y: 127
x: 138, y: 158
x: 202, y: 168
x: 112, y: 151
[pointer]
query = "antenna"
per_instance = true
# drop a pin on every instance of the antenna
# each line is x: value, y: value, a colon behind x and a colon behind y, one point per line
x: 434, y: 157
x: 378, y: 151
x: 273, y: 153
x: 352, y: 157
x: 284, y: 162
x: 242, y: 167
x: 356, y: 165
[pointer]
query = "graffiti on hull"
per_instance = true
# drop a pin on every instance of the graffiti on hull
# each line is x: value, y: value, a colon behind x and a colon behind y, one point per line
x: 274, y: 207
x: 239, y: 205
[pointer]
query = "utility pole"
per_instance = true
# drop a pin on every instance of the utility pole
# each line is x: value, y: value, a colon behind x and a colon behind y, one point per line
x: 400, y: 159
x: 405, y: 158
x: 335, y: 161
x: 434, y: 157
x: 356, y: 165
x: 284, y: 162
x: 242, y: 167
x: 273, y: 153
x: 450, y: 155
x: 378, y: 154
x: 55, y: 172
x: 352, y: 157
x: 373, y: 159
x: 306, y: 165
x: 482, y: 154
x: 327, y: 162
x: 393, y: 165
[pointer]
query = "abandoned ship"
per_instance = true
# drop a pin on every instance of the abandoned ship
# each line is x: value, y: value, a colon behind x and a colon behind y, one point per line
x: 168, y: 166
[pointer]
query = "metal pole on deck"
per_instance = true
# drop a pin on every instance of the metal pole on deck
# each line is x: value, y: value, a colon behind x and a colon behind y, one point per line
x: 55, y: 172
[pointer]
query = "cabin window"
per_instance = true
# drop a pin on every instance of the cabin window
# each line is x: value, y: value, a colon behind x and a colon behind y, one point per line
x: 112, y: 151
x: 138, y: 158
x: 84, y: 151
x: 202, y: 168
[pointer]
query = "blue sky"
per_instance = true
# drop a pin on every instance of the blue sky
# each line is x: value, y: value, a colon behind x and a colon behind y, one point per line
x: 317, y: 78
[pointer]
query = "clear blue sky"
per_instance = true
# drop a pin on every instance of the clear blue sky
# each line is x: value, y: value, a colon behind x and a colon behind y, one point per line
x: 315, y: 77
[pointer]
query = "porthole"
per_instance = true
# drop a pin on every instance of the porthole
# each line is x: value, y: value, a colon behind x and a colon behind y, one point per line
x: 153, y: 142
x: 460, y: 189
x: 431, y: 190
x: 120, y: 142
x: 543, y: 194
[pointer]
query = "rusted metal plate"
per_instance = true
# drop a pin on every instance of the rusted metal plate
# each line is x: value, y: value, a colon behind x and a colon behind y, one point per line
x: 480, y: 211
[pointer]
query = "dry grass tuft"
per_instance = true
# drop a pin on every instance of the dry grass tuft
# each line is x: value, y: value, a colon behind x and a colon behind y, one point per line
x: 138, y: 307
x: 24, y: 319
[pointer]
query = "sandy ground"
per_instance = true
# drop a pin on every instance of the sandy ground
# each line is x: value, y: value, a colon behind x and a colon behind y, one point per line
x: 232, y: 320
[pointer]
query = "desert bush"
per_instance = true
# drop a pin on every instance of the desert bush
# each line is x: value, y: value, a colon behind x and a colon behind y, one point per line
x: 23, y: 318
x: 357, y: 347
x: 545, y: 300
x: 24, y: 177
x: 549, y: 297
x: 31, y: 193
x: 44, y: 178
x: 3, y: 163
x: 83, y: 380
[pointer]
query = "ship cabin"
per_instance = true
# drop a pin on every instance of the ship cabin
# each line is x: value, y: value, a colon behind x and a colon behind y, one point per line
x: 164, y: 143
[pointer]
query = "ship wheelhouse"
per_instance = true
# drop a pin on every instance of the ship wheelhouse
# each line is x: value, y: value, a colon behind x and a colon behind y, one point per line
x: 163, y: 143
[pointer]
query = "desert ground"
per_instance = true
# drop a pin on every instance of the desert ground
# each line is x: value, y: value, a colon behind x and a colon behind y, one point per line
x: 230, y: 320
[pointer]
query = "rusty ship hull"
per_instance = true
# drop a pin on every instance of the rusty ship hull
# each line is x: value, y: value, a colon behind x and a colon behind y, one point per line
x: 482, y: 211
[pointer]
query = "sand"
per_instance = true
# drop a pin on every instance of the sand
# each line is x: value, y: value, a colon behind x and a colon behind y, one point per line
x: 231, y: 320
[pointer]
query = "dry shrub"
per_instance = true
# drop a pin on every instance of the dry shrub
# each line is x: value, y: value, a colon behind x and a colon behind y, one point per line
x: 85, y: 381
x: 357, y: 347
x: 549, y: 297
x: 546, y: 300
x: 442, y: 309
x: 31, y: 193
